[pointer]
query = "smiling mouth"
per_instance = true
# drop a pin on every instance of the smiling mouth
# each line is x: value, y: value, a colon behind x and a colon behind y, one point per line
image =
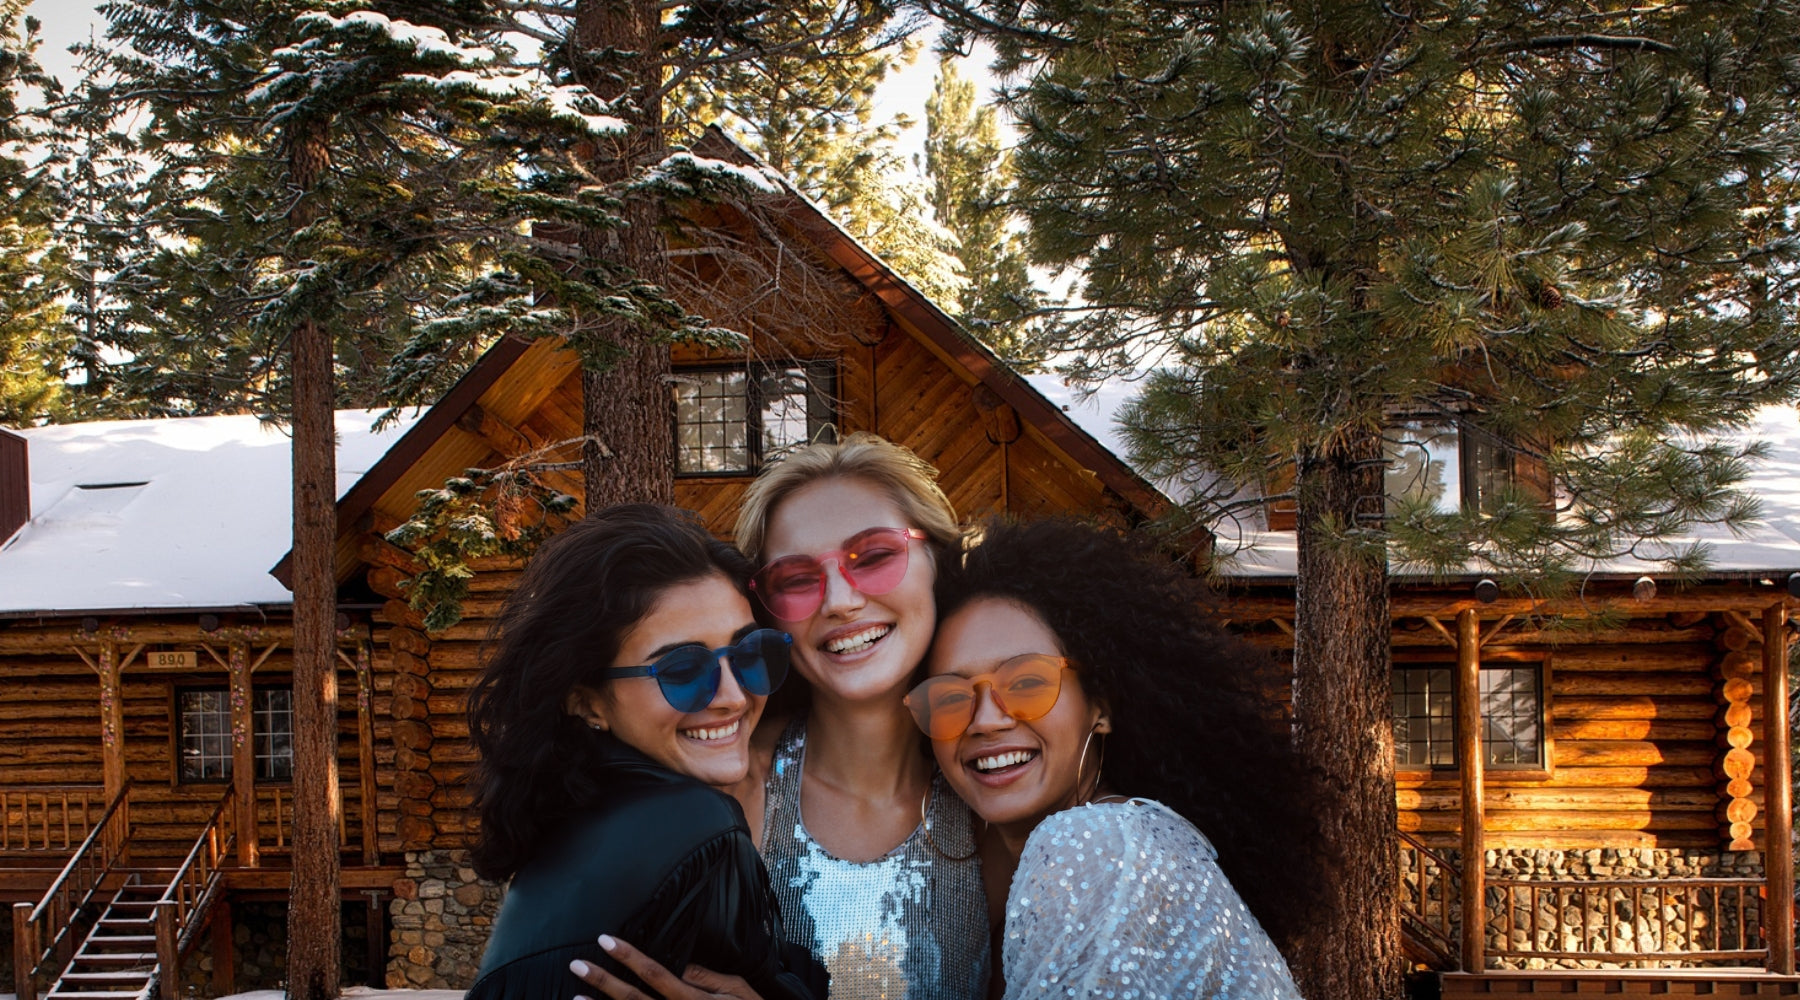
x: 856, y: 642
x: 724, y: 732
x: 1003, y: 762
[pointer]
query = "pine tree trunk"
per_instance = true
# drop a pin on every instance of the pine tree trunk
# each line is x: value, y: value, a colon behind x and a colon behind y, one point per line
x: 313, y: 963
x: 1344, y: 724
x: 626, y: 408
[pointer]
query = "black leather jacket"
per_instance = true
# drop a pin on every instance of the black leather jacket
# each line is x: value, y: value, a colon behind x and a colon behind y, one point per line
x: 666, y: 864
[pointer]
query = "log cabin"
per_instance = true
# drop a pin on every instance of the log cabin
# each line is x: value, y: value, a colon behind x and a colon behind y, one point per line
x: 1621, y: 798
x: 144, y: 801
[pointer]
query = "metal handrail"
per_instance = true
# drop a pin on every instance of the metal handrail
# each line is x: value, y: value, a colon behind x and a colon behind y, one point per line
x: 189, y: 893
x: 99, y: 851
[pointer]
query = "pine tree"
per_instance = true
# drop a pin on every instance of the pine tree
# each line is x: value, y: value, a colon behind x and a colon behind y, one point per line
x: 803, y: 102
x: 1567, y: 226
x: 971, y: 190
x: 34, y: 333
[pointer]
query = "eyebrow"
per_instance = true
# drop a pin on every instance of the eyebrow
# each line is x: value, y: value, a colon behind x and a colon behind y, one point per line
x: 736, y: 637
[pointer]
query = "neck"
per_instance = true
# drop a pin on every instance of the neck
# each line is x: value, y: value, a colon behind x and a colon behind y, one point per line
x: 871, y: 749
x: 1012, y: 836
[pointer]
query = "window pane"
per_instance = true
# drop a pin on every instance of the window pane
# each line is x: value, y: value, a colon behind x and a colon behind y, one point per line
x: 1423, y: 724
x: 1489, y: 465
x: 1512, y: 733
x: 1423, y: 464
x: 784, y: 393
x: 274, y: 728
x: 204, y: 737
x: 711, y: 422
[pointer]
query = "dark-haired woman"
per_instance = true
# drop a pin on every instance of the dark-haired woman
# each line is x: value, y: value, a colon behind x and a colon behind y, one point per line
x: 1062, y: 649
x: 628, y: 678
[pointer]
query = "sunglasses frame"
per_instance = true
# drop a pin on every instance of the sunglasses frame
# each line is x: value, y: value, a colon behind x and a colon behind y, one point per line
x: 729, y: 653
x: 975, y: 683
x: 839, y: 558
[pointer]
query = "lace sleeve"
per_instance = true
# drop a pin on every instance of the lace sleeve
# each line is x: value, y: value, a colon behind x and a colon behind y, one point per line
x: 1126, y: 900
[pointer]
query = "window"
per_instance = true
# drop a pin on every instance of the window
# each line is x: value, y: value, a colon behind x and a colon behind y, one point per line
x: 736, y: 420
x: 203, y: 733
x: 1512, y: 716
x: 1451, y: 465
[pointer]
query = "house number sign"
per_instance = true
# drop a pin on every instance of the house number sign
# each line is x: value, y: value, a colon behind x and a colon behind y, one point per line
x: 182, y: 659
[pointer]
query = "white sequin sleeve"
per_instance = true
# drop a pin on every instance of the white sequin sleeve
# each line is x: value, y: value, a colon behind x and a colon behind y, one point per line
x: 1126, y: 900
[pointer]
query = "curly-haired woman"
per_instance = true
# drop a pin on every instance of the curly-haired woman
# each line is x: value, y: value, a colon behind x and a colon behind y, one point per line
x: 1083, y: 707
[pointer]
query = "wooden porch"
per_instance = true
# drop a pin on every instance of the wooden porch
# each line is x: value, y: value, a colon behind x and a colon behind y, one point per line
x: 1717, y: 935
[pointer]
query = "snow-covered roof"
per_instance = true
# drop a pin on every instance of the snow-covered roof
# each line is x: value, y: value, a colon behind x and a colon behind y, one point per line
x: 164, y: 514
x: 1771, y: 546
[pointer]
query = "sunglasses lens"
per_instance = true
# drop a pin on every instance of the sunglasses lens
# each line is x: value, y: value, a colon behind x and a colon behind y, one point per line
x: 1028, y: 687
x: 876, y: 560
x: 760, y: 660
x: 791, y: 588
x: 942, y: 706
x: 689, y: 678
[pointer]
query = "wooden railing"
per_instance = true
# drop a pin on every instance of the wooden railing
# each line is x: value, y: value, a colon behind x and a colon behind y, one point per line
x: 53, y: 916
x: 1628, y: 920
x: 191, y: 891
x: 1430, y: 898
x: 279, y: 801
x: 48, y: 818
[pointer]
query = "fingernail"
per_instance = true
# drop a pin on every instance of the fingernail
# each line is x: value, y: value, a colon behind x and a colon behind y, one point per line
x: 607, y: 942
x: 579, y: 967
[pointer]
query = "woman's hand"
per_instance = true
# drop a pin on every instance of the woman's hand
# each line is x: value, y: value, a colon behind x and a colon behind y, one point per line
x: 696, y: 983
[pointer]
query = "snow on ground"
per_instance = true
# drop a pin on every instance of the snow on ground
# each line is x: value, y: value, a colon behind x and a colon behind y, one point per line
x: 176, y: 513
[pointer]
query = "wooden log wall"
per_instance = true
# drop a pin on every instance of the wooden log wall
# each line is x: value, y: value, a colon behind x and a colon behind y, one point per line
x: 51, y: 736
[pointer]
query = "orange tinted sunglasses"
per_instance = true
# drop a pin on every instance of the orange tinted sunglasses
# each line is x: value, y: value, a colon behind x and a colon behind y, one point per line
x: 1025, y: 687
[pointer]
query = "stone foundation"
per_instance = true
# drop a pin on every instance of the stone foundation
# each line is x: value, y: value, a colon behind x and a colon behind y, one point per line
x: 440, y: 917
x: 1662, y: 918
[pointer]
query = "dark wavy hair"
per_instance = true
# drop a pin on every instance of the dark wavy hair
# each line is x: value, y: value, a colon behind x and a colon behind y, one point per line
x: 576, y: 600
x: 1195, y: 720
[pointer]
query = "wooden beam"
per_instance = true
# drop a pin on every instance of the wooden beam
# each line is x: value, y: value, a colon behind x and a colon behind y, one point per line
x: 1413, y: 604
x: 1468, y: 750
x: 224, y: 949
x: 17, y: 640
x: 365, y: 754
x: 112, y: 720
x: 506, y: 440
x: 1778, y: 851
x: 243, y: 753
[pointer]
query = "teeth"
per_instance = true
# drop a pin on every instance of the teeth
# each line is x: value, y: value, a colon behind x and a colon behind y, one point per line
x: 856, y: 642
x: 716, y: 733
x: 999, y: 761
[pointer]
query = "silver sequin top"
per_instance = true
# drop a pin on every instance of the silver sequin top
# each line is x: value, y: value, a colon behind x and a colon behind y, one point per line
x: 908, y: 926
x: 1125, y: 900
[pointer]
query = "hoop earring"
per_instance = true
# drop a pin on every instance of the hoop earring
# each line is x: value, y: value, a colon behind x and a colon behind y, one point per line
x: 1082, y: 763
x: 925, y: 825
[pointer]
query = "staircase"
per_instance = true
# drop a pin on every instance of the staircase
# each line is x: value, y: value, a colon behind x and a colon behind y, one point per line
x: 117, y: 961
x: 149, y: 916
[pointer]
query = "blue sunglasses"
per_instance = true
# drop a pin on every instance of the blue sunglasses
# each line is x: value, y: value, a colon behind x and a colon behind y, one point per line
x: 689, y: 676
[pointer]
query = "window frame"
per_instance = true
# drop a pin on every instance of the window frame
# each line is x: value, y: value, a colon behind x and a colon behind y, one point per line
x: 817, y: 370
x: 1543, y: 770
x: 177, y: 732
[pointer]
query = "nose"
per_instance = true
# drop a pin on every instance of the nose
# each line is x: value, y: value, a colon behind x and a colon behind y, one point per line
x: 989, y: 716
x: 731, y: 696
x: 840, y: 594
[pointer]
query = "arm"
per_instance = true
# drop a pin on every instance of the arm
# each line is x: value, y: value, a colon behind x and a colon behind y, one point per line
x: 1130, y: 896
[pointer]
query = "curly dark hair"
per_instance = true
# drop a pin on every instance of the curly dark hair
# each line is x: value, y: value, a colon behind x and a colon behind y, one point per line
x: 1195, y: 723
x: 581, y: 593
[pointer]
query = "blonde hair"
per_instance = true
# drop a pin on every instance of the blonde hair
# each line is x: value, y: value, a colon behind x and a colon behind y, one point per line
x: 908, y: 480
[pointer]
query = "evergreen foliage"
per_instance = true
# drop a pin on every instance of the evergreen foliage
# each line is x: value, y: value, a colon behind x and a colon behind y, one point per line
x: 34, y: 331
x: 971, y: 192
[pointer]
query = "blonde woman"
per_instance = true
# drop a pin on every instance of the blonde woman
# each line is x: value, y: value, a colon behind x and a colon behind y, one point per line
x: 871, y: 855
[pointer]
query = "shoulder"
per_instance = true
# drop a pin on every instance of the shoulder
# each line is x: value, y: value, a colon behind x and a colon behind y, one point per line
x: 1111, y: 829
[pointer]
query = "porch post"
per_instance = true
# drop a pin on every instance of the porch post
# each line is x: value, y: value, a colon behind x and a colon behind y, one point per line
x: 112, y: 719
x: 1469, y: 759
x: 1778, y: 804
x: 365, y: 753
x: 243, y: 754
